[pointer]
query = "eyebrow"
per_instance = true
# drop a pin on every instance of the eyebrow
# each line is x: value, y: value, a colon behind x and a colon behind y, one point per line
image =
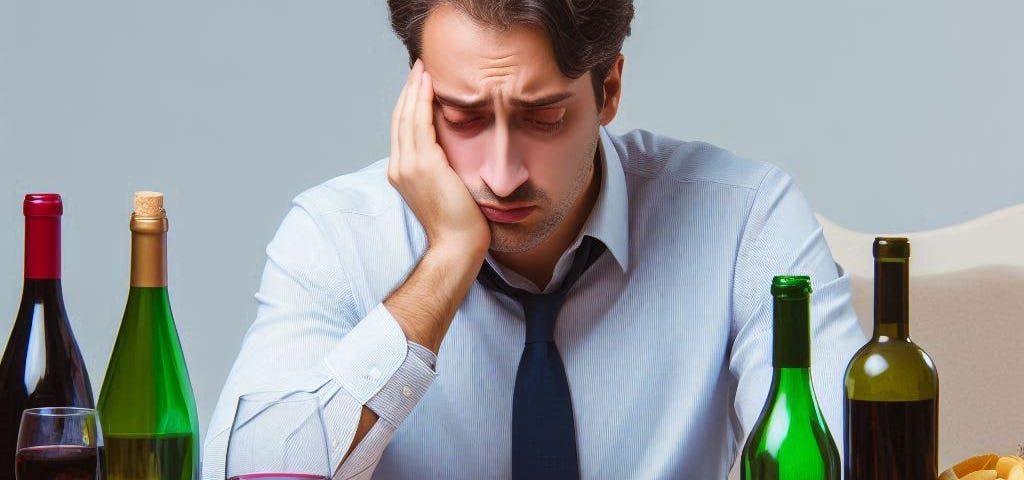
x: 517, y: 102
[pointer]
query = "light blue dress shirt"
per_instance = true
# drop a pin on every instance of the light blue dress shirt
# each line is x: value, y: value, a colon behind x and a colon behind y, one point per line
x: 666, y: 339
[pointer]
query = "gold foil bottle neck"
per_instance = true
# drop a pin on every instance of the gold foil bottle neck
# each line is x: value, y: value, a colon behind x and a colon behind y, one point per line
x: 149, y: 241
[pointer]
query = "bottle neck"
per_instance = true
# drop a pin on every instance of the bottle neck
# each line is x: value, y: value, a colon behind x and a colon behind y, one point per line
x: 36, y: 290
x: 794, y: 382
x: 42, y: 247
x: 149, y: 252
x: 792, y: 333
x: 892, y: 299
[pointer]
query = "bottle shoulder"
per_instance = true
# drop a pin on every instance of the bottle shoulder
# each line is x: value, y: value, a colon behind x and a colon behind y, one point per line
x: 43, y: 341
x: 892, y: 370
x: 136, y: 374
x: 784, y: 444
x: 147, y: 332
x: 147, y: 388
x: 779, y: 420
x: 791, y: 412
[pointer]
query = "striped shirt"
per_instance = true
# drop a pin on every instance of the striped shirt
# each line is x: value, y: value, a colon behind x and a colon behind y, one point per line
x: 666, y: 339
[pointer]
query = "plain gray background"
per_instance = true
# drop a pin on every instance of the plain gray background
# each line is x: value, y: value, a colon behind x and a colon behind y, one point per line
x: 892, y: 116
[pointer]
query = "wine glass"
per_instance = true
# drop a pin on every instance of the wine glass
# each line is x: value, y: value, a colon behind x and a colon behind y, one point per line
x: 59, y: 443
x: 278, y: 436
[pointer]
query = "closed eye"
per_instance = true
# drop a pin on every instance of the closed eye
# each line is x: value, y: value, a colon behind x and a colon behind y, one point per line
x: 547, y: 119
x: 460, y: 119
x: 548, y: 126
x: 462, y: 124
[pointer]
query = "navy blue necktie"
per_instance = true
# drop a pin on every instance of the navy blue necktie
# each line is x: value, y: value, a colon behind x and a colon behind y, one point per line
x: 543, y: 428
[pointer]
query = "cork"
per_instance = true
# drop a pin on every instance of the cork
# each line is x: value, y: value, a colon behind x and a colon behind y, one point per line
x: 149, y: 204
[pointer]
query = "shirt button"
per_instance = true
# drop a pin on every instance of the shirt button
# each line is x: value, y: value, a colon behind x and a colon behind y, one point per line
x: 407, y: 391
x: 335, y: 444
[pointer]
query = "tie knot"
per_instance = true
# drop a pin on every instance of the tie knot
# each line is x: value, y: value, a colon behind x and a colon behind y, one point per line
x: 541, y: 312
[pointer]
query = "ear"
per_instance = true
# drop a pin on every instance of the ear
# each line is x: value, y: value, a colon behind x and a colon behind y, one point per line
x: 612, y: 91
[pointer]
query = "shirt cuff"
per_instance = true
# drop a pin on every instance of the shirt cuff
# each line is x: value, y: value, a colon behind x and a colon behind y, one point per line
x: 369, y: 355
x: 396, y: 400
x: 424, y: 354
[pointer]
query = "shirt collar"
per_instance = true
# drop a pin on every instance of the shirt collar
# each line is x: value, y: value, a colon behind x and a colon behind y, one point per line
x: 609, y: 220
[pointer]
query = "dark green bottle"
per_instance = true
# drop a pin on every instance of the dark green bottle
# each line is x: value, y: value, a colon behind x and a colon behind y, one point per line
x: 892, y: 389
x: 146, y: 405
x: 791, y: 440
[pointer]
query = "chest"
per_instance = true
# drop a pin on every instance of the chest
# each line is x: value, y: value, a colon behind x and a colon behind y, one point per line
x: 647, y: 368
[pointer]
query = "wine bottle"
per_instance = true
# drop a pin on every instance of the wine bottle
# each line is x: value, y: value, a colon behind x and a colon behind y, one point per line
x: 791, y: 440
x: 42, y: 366
x: 892, y: 389
x: 147, y: 410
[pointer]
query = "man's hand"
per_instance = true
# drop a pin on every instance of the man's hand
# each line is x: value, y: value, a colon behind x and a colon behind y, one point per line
x: 457, y: 232
x: 419, y: 170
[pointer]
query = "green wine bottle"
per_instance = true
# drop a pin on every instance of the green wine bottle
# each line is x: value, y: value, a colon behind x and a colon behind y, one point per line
x: 791, y: 440
x: 892, y: 389
x: 146, y: 405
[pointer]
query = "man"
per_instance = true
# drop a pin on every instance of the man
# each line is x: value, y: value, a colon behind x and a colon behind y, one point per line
x: 417, y: 298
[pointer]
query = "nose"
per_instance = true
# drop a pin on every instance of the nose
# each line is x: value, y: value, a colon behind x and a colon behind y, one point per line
x: 503, y: 170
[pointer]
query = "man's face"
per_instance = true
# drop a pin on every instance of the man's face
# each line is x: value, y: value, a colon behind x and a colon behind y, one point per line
x: 519, y: 134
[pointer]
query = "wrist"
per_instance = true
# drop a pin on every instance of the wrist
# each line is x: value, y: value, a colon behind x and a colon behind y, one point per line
x: 456, y: 258
x: 424, y: 334
x: 468, y: 245
x: 425, y: 304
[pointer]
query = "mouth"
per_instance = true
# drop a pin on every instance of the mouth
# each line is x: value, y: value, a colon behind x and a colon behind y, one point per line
x: 506, y: 215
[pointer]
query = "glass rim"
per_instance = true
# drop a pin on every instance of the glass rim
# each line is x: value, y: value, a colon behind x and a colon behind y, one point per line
x: 60, y: 411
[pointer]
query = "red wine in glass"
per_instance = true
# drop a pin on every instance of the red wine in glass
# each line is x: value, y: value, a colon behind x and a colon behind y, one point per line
x: 58, y: 443
x: 57, y: 462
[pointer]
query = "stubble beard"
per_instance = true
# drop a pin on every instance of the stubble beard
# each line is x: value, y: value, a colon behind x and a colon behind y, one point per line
x: 514, y: 238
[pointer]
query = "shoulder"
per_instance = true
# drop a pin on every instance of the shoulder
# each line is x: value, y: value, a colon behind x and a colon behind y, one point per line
x: 354, y: 226
x: 665, y: 159
x: 365, y: 192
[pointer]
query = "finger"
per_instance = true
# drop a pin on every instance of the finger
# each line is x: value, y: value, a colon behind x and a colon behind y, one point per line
x: 396, y: 114
x: 395, y: 154
x: 406, y: 143
x: 426, y: 136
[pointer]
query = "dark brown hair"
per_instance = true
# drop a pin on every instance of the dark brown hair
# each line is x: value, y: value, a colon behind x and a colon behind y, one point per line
x: 587, y: 35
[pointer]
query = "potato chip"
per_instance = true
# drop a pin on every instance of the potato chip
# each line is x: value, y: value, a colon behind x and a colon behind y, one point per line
x: 1003, y: 466
x: 981, y: 475
x: 948, y: 475
x: 973, y: 464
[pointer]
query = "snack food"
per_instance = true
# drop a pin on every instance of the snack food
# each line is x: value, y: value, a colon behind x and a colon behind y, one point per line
x: 987, y: 467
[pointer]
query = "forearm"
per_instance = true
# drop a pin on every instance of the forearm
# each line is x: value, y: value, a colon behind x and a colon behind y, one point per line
x: 426, y: 302
x: 366, y: 421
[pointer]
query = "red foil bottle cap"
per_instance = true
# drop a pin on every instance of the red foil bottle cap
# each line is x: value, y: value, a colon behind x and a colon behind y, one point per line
x: 43, y: 205
x: 42, y: 235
